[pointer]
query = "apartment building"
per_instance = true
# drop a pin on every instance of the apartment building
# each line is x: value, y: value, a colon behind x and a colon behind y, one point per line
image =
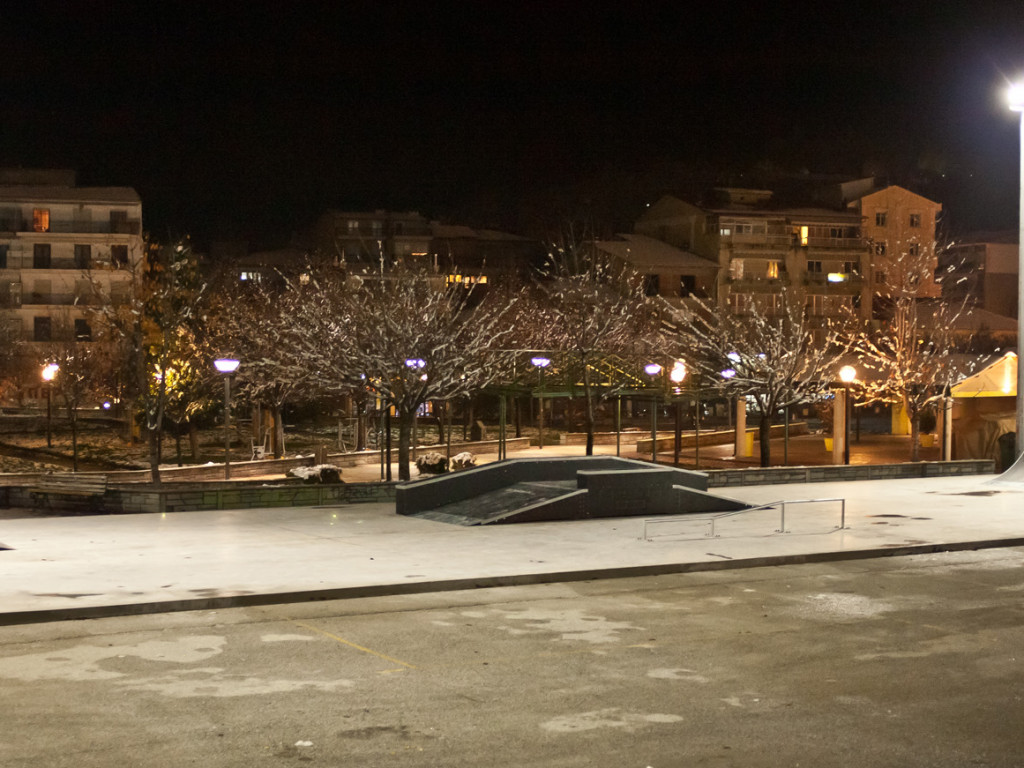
x: 982, y: 270
x: 63, y: 250
x: 760, y: 249
x: 900, y: 227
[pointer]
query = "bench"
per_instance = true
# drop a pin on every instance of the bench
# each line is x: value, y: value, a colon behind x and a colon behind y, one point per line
x: 70, y: 485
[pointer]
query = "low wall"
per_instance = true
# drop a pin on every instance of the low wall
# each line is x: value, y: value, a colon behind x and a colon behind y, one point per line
x: 186, y: 497
x: 721, y: 478
x: 721, y: 437
x: 264, y: 467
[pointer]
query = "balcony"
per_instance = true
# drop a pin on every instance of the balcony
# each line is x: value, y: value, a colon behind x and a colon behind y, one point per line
x: 848, y: 243
x: 59, y: 299
x: 75, y: 227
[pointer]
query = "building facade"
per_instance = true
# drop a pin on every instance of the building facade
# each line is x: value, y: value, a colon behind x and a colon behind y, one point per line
x: 760, y: 250
x: 64, y: 250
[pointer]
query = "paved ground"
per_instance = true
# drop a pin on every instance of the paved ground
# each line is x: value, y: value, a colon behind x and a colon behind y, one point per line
x: 910, y: 661
x: 59, y: 567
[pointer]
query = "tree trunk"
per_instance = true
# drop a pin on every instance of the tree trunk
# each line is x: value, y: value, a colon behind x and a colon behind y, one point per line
x: 74, y: 441
x: 915, y: 437
x: 405, y: 422
x: 193, y: 440
x: 278, y: 438
x: 764, y: 433
x: 588, y: 415
x: 360, y: 427
x: 153, y: 435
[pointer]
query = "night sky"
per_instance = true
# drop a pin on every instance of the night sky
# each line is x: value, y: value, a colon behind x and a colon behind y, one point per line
x: 246, y: 120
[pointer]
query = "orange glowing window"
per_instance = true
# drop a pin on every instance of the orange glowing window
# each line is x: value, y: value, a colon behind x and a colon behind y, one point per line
x: 41, y: 219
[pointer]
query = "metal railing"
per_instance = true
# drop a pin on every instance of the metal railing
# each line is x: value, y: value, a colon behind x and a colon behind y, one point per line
x: 712, y: 523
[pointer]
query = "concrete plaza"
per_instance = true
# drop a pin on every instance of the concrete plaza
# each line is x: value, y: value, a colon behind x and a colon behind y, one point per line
x: 79, y: 567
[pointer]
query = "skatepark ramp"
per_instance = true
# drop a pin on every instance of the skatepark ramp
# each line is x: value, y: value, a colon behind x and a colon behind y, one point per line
x: 559, y: 488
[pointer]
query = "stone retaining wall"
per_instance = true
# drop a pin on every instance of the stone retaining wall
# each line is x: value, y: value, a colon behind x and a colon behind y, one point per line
x: 721, y: 478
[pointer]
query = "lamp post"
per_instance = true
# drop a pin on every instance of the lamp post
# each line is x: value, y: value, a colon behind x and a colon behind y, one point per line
x: 49, y: 372
x: 652, y: 370
x: 226, y: 367
x: 1016, y: 101
x: 676, y: 376
x: 540, y: 363
x: 847, y: 374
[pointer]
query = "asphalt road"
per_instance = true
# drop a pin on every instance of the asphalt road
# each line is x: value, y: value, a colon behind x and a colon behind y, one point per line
x: 914, y: 661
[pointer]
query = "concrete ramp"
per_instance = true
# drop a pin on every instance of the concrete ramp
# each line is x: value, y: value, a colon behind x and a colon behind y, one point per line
x: 561, y: 488
x: 1014, y: 475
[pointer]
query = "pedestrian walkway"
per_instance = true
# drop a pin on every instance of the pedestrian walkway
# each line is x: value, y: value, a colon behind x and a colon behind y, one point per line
x: 79, y: 567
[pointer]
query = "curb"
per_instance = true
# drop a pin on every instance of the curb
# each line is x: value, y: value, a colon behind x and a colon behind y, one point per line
x: 452, y: 585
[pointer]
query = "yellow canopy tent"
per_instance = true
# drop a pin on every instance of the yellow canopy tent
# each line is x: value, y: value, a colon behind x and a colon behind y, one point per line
x: 997, y: 380
x: 985, y: 410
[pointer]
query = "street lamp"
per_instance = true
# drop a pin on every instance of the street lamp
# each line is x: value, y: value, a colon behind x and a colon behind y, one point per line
x: 652, y: 370
x: 847, y: 374
x: 226, y: 367
x: 540, y: 363
x: 676, y: 376
x: 49, y: 372
x: 1016, y: 102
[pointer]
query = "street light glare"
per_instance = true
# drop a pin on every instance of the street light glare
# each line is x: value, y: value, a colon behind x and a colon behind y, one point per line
x: 678, y: 372
x: 1015, y: 97
x: 50, y: 371
x: 847, y: 374
x: 225, y: 365
x: 540, y: 362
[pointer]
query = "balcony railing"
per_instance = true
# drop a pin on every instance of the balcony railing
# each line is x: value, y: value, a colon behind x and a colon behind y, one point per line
x: 834, y: 242
x: 59, y: 299
x: 75, y: 227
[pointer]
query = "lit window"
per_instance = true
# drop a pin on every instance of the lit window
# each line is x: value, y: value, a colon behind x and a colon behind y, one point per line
x: 804, y: 231
x: 41, y: 219
x: 736, y: 269
x: 353, y: 226
x: 879, y: 218
x: 773, y: 270
x: 725, y: 231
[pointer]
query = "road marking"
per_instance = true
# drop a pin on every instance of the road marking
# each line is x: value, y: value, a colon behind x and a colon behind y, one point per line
x: 343, y: 641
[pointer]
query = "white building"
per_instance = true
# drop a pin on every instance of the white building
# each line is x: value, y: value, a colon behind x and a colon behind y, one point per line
x: 63, y: 251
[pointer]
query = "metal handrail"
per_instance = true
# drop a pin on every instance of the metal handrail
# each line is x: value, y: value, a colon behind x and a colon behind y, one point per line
x: 782, y: 516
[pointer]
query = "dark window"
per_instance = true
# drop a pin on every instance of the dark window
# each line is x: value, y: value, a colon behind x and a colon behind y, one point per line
x: 83, y: 256
x: 119, y: 255
x: 880, y: 249
x: 41, y: 256
x: 3, y: 256
x: 82, y: 330
x: 687, y: 285
x: 915, y: 219
x: 879, y: 218
x: 41, y: 329
x: 652, y: 285
x: 119, y: 222
x: 814, y: 267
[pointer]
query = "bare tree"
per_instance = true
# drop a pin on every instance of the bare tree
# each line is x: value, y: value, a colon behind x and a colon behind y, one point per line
x: 589, y: 309
x: 913, y: 355
x: 81, y: 375
x: 405, y: 339
x: 773, y: 352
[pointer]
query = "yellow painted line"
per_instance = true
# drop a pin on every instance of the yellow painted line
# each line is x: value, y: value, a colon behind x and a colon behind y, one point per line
x: 343, y: 641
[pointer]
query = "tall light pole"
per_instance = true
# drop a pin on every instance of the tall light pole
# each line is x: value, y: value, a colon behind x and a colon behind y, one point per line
x: 847, y: 375
x: 652, y: 370
x: 540, y: 363
x: 226, y: 367
x: 1016, y: 100
x: 49, y: 372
